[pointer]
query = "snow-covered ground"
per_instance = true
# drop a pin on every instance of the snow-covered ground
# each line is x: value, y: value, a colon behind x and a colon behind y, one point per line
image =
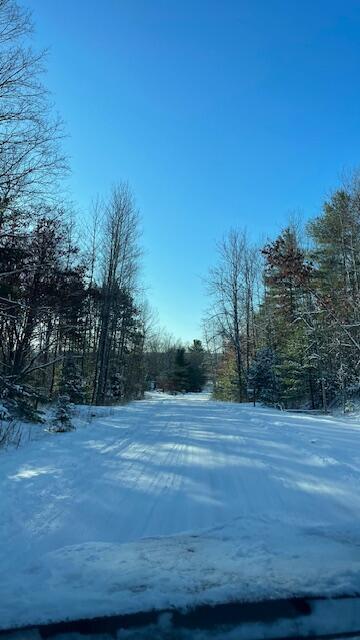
x: 177, y: 501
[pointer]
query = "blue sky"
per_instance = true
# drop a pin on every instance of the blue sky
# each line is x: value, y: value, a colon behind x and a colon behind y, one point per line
x: 218, y: 113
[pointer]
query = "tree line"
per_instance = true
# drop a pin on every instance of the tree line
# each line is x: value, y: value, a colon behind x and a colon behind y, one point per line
x: 175, y: 368
x: 75, y: 326
x: 284, y: 320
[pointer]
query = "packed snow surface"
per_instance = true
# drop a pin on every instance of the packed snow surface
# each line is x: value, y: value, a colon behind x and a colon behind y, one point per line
x: 173, y: 501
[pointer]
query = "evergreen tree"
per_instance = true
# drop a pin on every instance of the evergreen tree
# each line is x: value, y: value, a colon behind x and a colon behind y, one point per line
x: 287, y: 273
x: 180, y: 375
x: 72, y: 383
x: 62, y: 418
x: 336, y: 255
x: 196, y: 371
x: 263, y: 380
x: 117, y: 385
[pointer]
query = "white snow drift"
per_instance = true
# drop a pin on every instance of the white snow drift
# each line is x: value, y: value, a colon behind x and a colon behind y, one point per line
x: 173, y: 501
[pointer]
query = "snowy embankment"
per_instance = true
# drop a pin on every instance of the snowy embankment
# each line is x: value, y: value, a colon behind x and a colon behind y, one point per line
x: 178, y: 501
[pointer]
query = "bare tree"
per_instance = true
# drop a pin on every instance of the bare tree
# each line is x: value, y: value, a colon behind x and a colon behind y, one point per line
x: 120, y: 264
x: 231, y: 286
x: 30, y: 156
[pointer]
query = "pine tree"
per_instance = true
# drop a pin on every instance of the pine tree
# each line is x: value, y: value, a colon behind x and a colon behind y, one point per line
x: 180, y: 374
x: 72, y: 383
x: 117, y: 384
x: 196, y: 372
x: 336, y: 255
x: 263, y: 379
x: 287, y: 274
x: 62, y: 417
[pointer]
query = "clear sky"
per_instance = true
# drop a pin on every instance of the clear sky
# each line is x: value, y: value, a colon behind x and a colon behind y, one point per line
x: 218, y: 113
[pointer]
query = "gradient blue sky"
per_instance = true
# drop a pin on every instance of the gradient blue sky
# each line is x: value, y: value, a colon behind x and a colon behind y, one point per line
x: 219, y: 113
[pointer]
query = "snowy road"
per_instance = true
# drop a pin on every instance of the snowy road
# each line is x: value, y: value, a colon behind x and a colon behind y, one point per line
x: 174, y: 501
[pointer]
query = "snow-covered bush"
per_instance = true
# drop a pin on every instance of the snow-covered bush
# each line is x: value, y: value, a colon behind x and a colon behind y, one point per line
x: 349, y: 406
x: 62, y: 416
x: 116, y: 390
x: 19, y: 400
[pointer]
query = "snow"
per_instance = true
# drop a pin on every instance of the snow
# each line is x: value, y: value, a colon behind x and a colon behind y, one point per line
x: 174, y: 501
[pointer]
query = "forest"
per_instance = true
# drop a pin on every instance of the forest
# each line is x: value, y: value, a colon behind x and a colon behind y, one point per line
x: 284, y: 318
x: 282, y: 325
